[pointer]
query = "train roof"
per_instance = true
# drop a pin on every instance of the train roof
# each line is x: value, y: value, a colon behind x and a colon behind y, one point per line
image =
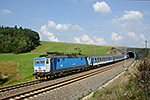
x: 102, y: 55
x: 76, y: 56
x: 64, y: 56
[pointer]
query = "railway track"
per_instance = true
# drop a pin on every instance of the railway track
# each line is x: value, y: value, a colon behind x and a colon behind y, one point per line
x: 16, y: 86
x: 42, y: 90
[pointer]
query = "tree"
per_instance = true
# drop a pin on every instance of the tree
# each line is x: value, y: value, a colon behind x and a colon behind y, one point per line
x: 14, y: 40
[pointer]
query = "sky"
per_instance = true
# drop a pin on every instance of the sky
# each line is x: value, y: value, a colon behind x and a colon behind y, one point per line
x: 98, y: 22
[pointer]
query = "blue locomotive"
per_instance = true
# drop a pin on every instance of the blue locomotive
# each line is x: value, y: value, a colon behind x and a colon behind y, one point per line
x: 50, y: 65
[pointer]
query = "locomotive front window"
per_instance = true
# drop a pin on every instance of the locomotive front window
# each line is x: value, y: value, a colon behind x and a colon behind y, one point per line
x: 37, y: 61
x: 42, y: 61
x: 47, y: 61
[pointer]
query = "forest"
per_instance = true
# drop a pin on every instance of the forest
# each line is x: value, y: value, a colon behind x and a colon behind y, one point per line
x: 18, y: 40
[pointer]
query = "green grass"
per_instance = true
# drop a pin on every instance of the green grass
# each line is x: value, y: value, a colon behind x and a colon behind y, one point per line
x: 24, y: 62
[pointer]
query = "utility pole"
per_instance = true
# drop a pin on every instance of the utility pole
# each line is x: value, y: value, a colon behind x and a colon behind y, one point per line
x: 125, y: 54
x: 68, y: 48
x: 145, y: 46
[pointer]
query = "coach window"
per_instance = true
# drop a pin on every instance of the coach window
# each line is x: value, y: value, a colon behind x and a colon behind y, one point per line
x: 84, y: 58
x: 63, y: 60
x: 58, y: 60
x: 103, y: 59
x: 81, y: 58
x: 98, y: 59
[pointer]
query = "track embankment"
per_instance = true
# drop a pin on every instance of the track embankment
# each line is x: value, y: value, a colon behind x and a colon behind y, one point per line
x: 68, y: 87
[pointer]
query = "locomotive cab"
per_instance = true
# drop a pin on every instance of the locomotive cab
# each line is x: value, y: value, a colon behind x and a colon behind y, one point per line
x: 41, y: 67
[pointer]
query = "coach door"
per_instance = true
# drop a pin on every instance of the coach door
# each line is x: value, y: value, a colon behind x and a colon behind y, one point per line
x: 48, y: 64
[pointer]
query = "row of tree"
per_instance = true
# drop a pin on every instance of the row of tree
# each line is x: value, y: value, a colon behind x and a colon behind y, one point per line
x: 17, y: 40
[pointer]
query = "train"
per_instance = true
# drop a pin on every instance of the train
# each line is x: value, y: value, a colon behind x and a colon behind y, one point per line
x: 54, y: 63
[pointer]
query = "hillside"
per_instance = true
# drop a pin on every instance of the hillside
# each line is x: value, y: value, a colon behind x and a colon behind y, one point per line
x: 15, y: 68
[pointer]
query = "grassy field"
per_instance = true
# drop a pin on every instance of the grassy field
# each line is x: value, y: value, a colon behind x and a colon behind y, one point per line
x: 16, y: 68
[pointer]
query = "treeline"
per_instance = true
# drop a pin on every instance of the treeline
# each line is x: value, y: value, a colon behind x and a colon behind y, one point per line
x: 17, y: 40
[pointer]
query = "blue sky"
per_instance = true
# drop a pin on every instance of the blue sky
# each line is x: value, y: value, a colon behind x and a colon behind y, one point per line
x: 99, y: 22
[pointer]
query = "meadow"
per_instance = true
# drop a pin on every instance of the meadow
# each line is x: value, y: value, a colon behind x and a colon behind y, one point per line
x: 16, y: 68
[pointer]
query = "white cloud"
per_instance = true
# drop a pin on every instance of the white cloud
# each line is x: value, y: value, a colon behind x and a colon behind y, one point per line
x: 76, y: 27
x: 51, y: 24
x: 129, y: 19
x: 131, y: 22
x: 128, y: 33
x: 137, y: 38
x: 49, y: 35
x: 128, y: 16
x: 86, y: 39
x: 101, y: 7
x: 134, y: 39
x: 115, y: 37
x: 77, y: 40
x: 99, y: 40
x: 131, y: 15
x: 6, y: 11
x: 142, y: 37
x: 131, y: 34
x: 63, y: 27
x: 43, y: 28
